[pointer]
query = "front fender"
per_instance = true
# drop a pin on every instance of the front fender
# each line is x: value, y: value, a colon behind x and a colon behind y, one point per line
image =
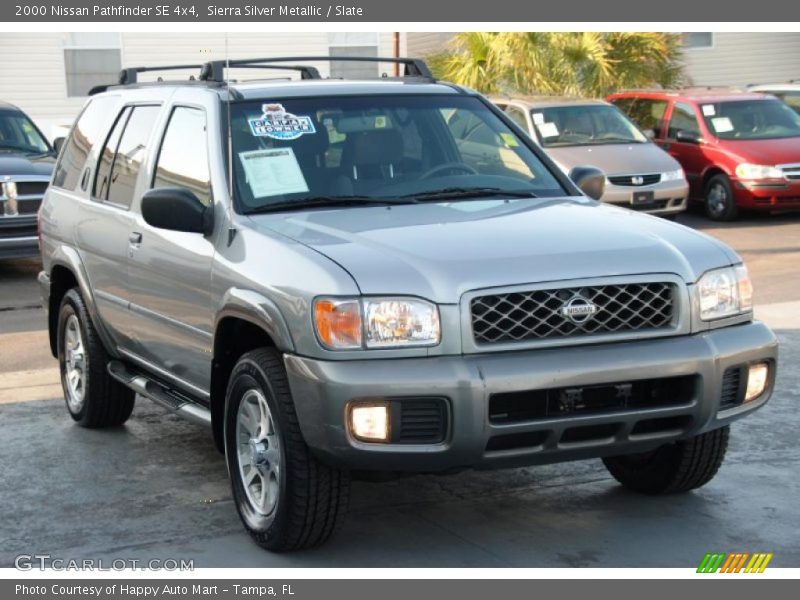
x: 257, y: 309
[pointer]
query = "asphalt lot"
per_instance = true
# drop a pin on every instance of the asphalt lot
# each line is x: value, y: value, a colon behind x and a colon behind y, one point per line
x: 157, y: 488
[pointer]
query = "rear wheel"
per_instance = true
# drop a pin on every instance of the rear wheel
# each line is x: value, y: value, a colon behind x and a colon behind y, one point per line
x: 94, y: 398
x: 720, y: 204
x: 672, y: 468
x: 286, y: 499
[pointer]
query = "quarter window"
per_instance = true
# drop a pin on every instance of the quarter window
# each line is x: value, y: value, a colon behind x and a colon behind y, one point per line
x: 683, y: 119
x: 518, y: 116
x: 183, y: 158
x: 84, y: 135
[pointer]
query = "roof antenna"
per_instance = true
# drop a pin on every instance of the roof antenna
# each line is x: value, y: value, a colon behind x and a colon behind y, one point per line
x: 231, y: 228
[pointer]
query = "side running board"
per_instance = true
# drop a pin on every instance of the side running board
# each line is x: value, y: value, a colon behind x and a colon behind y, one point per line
x: 158, y: 393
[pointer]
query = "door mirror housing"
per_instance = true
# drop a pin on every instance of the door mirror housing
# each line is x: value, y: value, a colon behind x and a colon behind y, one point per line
x: 688, y: 137
x: 590, y: 180
x: 177, y: 209
x: 58, y: 144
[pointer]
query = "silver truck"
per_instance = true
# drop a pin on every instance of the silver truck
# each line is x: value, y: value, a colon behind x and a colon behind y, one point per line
x: 361, y: 278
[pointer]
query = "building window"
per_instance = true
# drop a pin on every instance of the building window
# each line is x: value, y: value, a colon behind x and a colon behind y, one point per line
x: 700, y: 39
x: 353, y: 44
x: 91, y: 59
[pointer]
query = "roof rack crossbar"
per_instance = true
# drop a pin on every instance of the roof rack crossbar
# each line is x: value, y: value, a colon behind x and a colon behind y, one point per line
x: 131, y: 74
x: 214, y: 70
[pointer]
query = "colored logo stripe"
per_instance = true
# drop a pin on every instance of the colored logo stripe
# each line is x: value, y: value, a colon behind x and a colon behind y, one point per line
x: 734, y: 563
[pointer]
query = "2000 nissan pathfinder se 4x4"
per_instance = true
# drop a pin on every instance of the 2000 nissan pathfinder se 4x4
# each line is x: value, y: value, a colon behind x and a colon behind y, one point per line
x: 331, y: 276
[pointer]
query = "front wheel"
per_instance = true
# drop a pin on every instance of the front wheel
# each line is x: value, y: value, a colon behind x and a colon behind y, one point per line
x: 286, y: 499
x: 672, y: 468
x: 720, y: 204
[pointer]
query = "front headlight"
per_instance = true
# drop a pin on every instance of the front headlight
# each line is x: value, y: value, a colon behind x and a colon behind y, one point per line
x: 673, y: 175
x: 748, y: 171
x: 725, y: 293
x: 349, y: 324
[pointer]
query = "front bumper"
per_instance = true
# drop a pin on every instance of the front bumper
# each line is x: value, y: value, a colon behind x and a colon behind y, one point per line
x: 767, y: 196
x: 669, y: 197
x: 18, y: 237
x: 322, y: 391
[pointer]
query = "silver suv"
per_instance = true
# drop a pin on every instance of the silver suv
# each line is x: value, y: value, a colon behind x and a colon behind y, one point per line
x: 350, y: 277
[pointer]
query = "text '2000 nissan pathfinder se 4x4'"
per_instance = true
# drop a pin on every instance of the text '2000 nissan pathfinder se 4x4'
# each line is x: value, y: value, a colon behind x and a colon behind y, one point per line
x: 329, y: 275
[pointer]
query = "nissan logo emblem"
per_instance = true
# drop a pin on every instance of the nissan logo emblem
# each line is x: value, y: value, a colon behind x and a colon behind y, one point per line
x: 578, y: 309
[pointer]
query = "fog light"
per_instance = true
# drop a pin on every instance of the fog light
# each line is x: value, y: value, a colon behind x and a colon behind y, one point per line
x: 369, y: 422
x: 756, y: 381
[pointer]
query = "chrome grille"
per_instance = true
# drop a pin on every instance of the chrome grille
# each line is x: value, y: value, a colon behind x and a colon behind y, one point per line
x: 540, y: 314
x: 790, y: 171
x: 635, y: 180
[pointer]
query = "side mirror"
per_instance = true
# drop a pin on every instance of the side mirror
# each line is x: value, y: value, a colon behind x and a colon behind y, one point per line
x: 177, y: 209
x: 590, y: 180
x: 58, y: 144
x: 688, y: 137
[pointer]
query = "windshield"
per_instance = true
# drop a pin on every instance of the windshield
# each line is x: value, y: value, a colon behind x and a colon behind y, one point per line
x: 584, y: 125
x: 751, y: 120
x: 18, y: 134
x: 378, y: 148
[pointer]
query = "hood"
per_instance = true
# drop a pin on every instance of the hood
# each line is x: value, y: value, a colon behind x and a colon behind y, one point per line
x: 440, y: 251
x: 20, y: 164
x: 764, y: 152
x: 616, y: 159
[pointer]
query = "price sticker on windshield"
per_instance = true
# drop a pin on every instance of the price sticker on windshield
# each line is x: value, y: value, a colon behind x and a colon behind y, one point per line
x: 709, y: 110
x: 722, y: 124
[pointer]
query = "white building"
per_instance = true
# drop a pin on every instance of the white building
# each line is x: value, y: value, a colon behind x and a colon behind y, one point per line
x: 49, y: 74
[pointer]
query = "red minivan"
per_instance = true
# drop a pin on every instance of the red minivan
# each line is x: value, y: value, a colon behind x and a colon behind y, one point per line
x: 739, y: 150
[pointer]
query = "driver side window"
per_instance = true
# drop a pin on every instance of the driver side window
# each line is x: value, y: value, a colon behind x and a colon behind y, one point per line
x: 682, y: 119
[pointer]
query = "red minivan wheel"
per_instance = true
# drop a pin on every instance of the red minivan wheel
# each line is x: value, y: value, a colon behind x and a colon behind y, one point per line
x: 719, y: 202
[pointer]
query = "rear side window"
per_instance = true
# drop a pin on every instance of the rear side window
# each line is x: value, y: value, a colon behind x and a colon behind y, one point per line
x: 86, y: 133
x: 682, y: 119
x: 124, y: 154
x: 183, y: 158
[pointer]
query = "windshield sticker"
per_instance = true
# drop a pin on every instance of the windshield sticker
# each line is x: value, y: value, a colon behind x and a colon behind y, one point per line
x: 509, y: 139
x: 722, y: 124
x: 279, y: 124
x: 380, y: 122
x: 538, y: 118
x: 548, y: 130
x: 709, y: 110
x: 273, y: 172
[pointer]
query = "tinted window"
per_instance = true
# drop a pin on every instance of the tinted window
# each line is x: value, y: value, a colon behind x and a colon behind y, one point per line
x: 18, y: 134
x: 751, y: 120
x: 790, y: 98
x: 584, y: 125
x: 86, y: 133
x: 381, y: 146
x: 682, y: 119
x: 130, y: 154
x: 183, y: 158
x: 518, y: 116
x: 646, y: 113
x: 103, y: 176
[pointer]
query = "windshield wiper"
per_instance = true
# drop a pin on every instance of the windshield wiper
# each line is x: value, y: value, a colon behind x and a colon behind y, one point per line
x: 458, y: 193
x: 325, y: 201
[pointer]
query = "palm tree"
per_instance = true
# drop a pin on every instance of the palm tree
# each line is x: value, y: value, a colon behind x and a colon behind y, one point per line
x: 580, y: 64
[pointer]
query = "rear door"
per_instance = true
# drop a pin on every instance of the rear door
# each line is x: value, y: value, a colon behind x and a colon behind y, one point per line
x: 170, y: 271
x: 101, y: 232
x: 683, y: 118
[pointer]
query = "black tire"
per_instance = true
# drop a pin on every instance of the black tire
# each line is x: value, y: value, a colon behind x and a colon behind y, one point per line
x: 312, y: 498
x: 672, y: 468
x: 104, y: 402
x: 718, y: 199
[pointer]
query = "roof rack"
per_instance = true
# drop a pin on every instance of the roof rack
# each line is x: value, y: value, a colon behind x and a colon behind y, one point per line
x: 215, y: 69
x: 131, y: 74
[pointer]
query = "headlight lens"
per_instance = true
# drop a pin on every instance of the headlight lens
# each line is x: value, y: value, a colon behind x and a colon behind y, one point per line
x: 400, y: 322
x: 673, y: 175
x: 387, y: 323
x: 725, y: 293
x: 748, y: 171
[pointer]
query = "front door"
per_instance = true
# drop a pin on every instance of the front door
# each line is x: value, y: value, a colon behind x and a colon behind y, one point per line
x: 683, y: 142
x: 169, y: 272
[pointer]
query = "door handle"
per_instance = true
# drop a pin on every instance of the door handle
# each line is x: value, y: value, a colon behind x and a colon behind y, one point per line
x: 135, y: 237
